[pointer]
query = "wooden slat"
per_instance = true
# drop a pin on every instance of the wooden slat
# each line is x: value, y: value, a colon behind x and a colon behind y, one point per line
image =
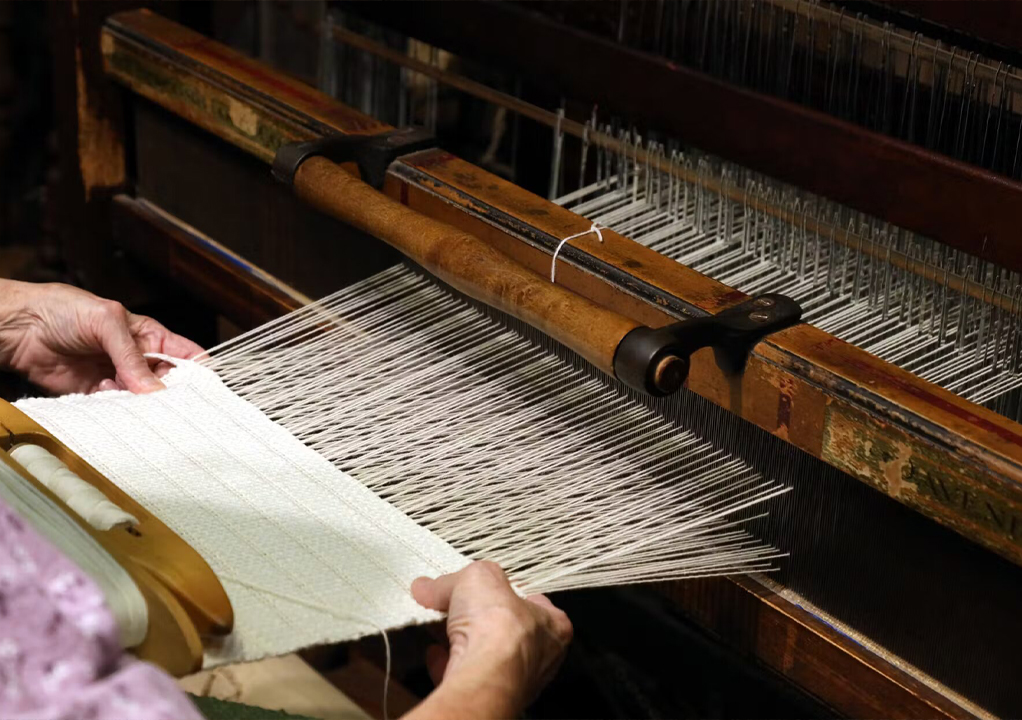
x: 791, y: 641
x: 221, y: 90
x: 207, y: 271
x: 958, y: 204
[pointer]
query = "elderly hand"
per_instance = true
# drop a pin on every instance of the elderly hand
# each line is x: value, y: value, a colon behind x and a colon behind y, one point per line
x: 67, y: 340
x: 503, y: 649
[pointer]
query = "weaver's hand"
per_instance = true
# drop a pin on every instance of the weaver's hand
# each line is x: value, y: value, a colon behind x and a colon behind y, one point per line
x: 68, y: 340
x: 503, y: 649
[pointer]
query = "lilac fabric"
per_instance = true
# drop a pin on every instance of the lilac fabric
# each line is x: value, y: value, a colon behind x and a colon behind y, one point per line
x: 59, y: 655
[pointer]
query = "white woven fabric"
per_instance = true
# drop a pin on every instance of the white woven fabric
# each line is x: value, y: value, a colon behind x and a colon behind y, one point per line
x: 260, y: 507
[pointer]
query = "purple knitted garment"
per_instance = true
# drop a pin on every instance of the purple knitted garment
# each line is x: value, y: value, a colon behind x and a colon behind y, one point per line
x: 59, y: 655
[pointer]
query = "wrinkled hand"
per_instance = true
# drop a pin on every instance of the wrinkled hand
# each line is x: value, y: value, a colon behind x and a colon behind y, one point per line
x: 499, y: 643
x: 68, y: 340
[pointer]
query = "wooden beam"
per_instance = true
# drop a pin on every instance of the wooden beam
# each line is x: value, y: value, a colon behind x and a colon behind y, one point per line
x: 206, y: 270
x: 219, y: 89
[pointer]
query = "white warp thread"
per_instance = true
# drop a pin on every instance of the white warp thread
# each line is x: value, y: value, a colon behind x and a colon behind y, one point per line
x: 260, y: 507
x: 391, y: 431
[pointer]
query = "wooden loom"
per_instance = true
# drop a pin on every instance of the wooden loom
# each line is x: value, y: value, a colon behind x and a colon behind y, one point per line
x: 958, y: 464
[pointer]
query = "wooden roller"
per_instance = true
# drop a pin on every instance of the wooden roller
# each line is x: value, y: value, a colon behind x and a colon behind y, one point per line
x: 185, y: 599
x: 466, y: 263
x: 653, y: 361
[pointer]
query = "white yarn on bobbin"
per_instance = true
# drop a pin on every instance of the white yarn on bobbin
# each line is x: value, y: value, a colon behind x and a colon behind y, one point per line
x: 90, y: 503
x: 594, y: 228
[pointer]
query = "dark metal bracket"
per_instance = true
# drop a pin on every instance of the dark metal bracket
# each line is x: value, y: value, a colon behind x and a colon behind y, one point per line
x: 372, y: 153
x: 657, y: 361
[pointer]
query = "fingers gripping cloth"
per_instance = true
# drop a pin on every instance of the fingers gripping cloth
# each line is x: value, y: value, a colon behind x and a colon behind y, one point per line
x: 391, y: 431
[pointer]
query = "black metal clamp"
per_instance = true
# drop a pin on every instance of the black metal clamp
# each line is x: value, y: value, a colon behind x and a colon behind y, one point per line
x: 372, y: 153
x: 657, y: 361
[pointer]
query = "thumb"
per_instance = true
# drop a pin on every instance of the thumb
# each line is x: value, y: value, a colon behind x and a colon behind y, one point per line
x: 132, y: 368
x: 428, y: 593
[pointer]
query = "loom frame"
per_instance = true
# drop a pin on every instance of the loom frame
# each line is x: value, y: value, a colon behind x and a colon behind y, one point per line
x: 866, y: 417
x: 779, y: 384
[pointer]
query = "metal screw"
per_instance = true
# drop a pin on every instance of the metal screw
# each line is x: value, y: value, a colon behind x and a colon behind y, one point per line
x: 760, y: 316
x: 763, y: 302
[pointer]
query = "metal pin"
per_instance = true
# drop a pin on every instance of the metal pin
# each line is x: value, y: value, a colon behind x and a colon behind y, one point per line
x: 326, y: 68
x: 887, y: 281
x: 585, y: 151
x: 555, y: 162
x: 1016, y: 306
x: 803, y: 241
x: 832, y: 262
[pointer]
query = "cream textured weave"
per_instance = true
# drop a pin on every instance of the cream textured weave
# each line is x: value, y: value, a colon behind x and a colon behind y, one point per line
x: 260, y: 506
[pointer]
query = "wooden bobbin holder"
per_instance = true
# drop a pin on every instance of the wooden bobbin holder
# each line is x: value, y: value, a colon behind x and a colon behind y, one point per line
x: 186, y: 602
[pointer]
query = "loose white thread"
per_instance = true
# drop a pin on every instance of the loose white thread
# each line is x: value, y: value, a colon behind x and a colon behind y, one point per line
x: 329, y: 611
x: 492, y: 467
x: 594, y: 228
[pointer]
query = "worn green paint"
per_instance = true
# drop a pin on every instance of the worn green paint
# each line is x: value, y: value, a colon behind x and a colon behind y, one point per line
x: 921, y: 478
x: 130, y: 65
x: 214, y: 105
